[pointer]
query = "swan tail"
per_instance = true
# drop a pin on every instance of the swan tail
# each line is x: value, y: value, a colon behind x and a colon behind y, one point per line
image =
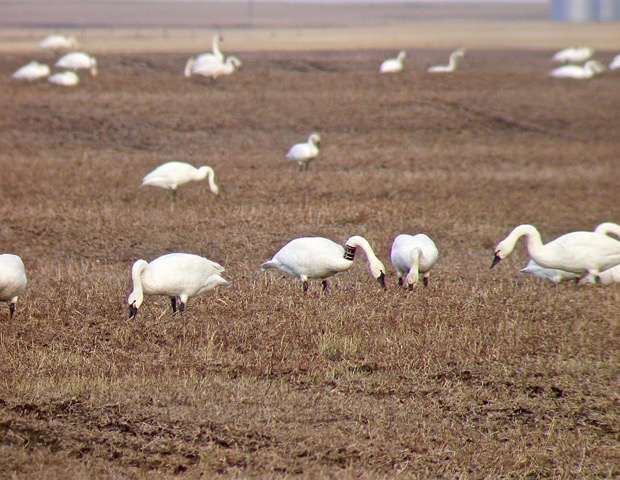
x: 269, y: 265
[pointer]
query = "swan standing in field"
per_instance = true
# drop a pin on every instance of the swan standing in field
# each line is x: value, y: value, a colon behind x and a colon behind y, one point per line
x: 303, y: 153
x: 318, y: 257
x: 67, y: 79
x: 181, y: 275
x: 573, y: 55
x: 78, y: 61
x: 216, y: 57
x: 412, y: 255
x: 615, y: 63
x: 214, y: 70
x: 577, y: 252
x: 32, y: 71
x: 59, y: 42
x: 393, y: 65
x: 12, y: 280
x: 451, y: 67
x: 172, y: 175
x: 591, y: 68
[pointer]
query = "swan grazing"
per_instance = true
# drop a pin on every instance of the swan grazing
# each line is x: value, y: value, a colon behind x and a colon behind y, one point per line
x: 59, y: 42
x: 32, y: 71
x: 67, y: 79
x: 12, y: 280
x: 181, y: 275
x: 318, y: 257
x: 393, y: 65
x: 214, y: 70
x: 576, y: 252
x: 412, y: 255
x: 172, y: 175
x: 451, y: 67
x: 78, y: 61
x: 573, y: 55
x: 303, y: 153
x: 591, y: 68
x: 615, y: 63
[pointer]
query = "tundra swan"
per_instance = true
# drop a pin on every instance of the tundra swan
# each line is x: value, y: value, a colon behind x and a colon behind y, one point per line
x: 172, y: 175
x: 591, y: 68
x: 573, y: 55
x: 552, y: 274
x: 67, y: 79
x: 32, y: 71
x: 576, y: 252
x: 78, y: 61
x: 412, y: 255
x: 216, y: 57
x: 59, y: 42
x: 615, y: 63
x: 214, y: 70
x: 393, y: 65
x: 12, y: 280
x: 181, y: 275
x: 451, y: 67
x: 318, y: 257
x: 303, y: 153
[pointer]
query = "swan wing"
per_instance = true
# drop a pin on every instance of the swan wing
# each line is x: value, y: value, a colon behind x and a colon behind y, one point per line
x: 312, y: 257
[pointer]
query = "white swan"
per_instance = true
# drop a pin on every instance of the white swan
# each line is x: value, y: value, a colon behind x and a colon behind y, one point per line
x: 78, y: 61
x: 451, y: 67
x: 216, y: 57
x: 67, y: 79
x: 303, y: 153
x: 181, y: 275
x: 551, y: 274
x: 318, y: 257
x: 59, y: 42
x: 214, y: 70
x: 32, y: 71
x: 576, y: 252
x: 591, y: 68
x: 172, y: 175
x: 12, y: 280
x: 412, y: 255
x: 393, y: 65
x: 615, y: 63
x: 573, y: 55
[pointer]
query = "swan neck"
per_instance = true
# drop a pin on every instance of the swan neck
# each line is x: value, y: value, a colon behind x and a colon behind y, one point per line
x: 532, y: 238
x: 215, y: 46
x: 357, y: 241
x: 136, y: 278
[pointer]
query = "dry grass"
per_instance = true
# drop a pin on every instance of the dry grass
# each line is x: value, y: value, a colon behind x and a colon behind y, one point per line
x: 484, y: 374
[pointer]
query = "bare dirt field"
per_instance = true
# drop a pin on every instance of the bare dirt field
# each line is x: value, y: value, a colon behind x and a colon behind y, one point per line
x: 485, y: 373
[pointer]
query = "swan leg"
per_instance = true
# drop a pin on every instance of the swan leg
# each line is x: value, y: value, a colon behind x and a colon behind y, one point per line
x: 181, y: 307
x: 425, y: 280
x: 400, y: 281
x: 305, y: 286
x: 325, y: 285
x: 11, y: 310
x: 173, y: 302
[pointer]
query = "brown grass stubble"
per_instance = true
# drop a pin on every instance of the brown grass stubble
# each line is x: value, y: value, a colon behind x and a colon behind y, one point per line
x: 485, y: 373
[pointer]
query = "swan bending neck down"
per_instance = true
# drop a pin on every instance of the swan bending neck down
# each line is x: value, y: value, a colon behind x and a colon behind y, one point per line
x: 13, y: 280
x: 172, y: 175
x: 318, y: 257
x: 176, y: 275
x: 591, y: 68
x: 452, y: 64
x: 577, y: 252
x: 412, y: 255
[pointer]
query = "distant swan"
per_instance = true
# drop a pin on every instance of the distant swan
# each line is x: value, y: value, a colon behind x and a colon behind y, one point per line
x: 615, y: 63
x: 59, y: 42
x: 66, y: 79
x: 318, y: 257
x: 12, y: 280
x: 181, y: 275
x: 303, y: 153
x: 573, y: 55
x: 216, y: 57
x: 78, y: 61
x: 412, y: 255
x: 576, y: 252
x: 393, y: 65
x: 451, y: 67
x: 32, y: 71
x: 215, y: 70
x: 591, y: 68
x: 172, y: 175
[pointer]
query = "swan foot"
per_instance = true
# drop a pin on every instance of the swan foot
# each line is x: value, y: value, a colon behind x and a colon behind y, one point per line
x: 181, y: 307
x: 305, y: 286
x: 11, y: 310
x: 425, y: 280
x: 325, y: 285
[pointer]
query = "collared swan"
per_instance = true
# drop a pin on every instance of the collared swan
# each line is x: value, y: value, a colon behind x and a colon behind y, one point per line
x: 214, y: 70
x: 216, y: 57
x: 318, y: 257
x: 78, y: 61
x: 59, y: 42
x: 181, y: 275
x: 412, y: 255
x: 393, y: 65
x: 451, y: 67
x: 67, y: 79
x: 591, y: 68
x: 32, y: 71
x: 573, y: 55
x: 576, y: 252
x: 615, y: 63
x: 172, y: 175
x: 12, y: 280
x: 303, y: 153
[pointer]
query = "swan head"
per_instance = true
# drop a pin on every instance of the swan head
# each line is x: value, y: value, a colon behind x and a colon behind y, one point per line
x: 315, y: 138
x: 402, y: 55
x: 501, y: 252
x: 93, y: 66
x: 234, y: 61
x: 135, y: 301
x: 595, y: 66
x: 377, y: 270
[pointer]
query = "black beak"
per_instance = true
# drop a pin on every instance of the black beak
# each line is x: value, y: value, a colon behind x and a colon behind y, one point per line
x: 496, y: 260
x: 381, y: 279
x: 133, y: 311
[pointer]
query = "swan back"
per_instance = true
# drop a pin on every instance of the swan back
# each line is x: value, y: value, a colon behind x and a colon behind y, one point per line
x: 615, y: 63
x: 32, y: 71
x: 412, y: 255
x: 77, y: 61
x: 66, y: 79
x: 551, y: 274
x: 393, y: 65
x: 171, y: 175
x: 573, y: 54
